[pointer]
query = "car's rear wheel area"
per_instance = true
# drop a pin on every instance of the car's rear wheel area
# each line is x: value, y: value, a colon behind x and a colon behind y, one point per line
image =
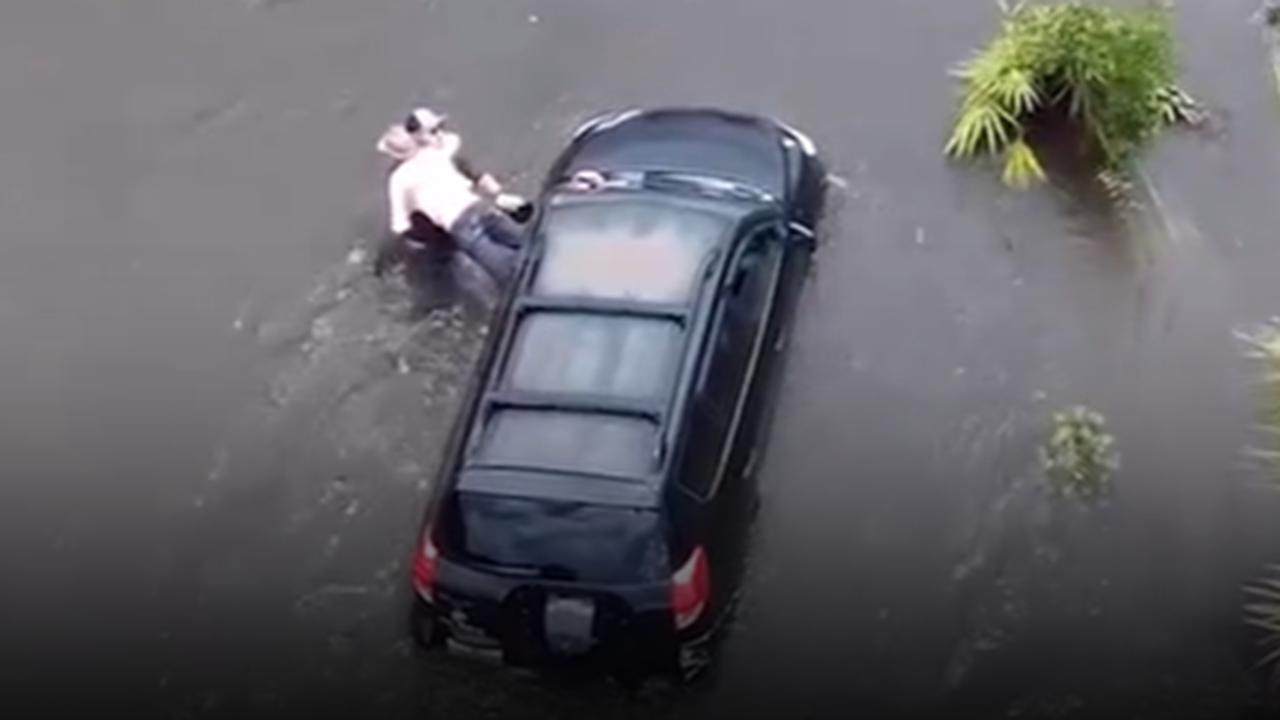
x: 424, y: 627
x: 696, y: 664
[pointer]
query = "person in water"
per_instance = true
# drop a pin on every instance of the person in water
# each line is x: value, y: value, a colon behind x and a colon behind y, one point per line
x: 434, y: 194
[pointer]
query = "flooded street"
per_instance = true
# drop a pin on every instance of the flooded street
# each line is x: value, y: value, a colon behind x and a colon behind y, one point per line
x: 218, y: 429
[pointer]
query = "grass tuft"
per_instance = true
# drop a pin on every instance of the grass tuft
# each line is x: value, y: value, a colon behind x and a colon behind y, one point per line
x: 1079, y: 455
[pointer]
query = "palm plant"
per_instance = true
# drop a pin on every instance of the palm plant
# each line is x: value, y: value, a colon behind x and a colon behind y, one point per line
x: 1264, y: 612
x: 1264, y: 347
x: 1110, y: 71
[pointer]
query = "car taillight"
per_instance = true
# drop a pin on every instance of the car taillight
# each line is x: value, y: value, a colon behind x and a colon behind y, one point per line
x: 424, y: 566
x: 691, y: 589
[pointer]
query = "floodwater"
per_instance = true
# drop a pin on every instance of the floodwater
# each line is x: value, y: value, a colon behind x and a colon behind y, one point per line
x: 217, y: 428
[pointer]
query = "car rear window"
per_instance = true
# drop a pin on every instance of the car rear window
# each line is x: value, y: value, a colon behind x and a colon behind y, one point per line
x: 626, y: 250
x: 563, y: 540
x: 583, y: 442
x: 618, y: 356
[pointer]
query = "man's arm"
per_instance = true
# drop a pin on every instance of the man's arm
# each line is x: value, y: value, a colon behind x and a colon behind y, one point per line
x: 485, y: 182
x: 398, y: 206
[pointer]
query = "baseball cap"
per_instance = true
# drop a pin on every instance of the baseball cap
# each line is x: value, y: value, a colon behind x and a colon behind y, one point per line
x: 423, y: 120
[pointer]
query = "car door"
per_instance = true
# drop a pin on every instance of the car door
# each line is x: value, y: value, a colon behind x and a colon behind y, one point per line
x: 711, y: 413
x: 721, y: 389
x: 715, y: 457
x: 753, y: 299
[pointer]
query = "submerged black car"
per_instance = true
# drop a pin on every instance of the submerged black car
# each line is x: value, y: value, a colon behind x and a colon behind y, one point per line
x: 593, y: 499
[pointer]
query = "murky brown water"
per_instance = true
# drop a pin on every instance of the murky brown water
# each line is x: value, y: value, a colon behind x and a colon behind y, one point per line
x: 217, y: 430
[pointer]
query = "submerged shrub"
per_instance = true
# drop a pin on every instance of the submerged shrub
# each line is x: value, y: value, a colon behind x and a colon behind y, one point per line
x: 1264, y: 347
x: 1079, y: 455
x: 1111, y: 72
x: 1269, y: 349
x: 1264, y: 612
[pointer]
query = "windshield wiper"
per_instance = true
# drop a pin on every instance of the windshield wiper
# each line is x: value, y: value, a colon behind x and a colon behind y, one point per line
x: 707, y: 185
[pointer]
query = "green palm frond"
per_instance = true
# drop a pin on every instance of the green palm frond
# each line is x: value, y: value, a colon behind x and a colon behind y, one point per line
x: 1264, y: 346
x: 979, y: 66
x: 981, y: 127
x: 1016, y: 90
x: 1268, y: 588
x: 1264, y: 615
x: 1275, y: 71
x: 1115, y: 184
x: 1105, y: 66
x: 1007, y: 9
x: 1021, y: 166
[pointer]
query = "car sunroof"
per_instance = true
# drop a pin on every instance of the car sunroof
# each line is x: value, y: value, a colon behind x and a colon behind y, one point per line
x: 639, y: 250
x: 615, y: 445
x: 614, y: 355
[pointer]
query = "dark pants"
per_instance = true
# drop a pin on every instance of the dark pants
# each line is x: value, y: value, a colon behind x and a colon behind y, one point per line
x: 422, y: 244
x: 490, y: 238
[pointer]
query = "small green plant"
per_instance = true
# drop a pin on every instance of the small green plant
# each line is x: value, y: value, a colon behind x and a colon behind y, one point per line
x: 1111, y: 72
x: 1079, y: 455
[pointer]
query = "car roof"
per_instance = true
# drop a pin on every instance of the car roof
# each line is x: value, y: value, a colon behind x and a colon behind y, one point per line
x: 593, y: 350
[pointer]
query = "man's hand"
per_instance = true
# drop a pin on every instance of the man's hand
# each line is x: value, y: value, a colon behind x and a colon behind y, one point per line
x: 489, y: 185
x: 508, y: 202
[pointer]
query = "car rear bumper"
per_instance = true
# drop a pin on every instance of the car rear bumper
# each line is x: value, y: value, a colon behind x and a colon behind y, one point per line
x: 643, y: 648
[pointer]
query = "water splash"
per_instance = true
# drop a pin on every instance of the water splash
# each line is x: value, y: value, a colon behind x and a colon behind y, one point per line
x: 357, y: 393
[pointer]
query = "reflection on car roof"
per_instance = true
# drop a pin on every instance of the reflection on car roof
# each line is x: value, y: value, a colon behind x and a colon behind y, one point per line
x: 567, y: 352
x: 637, y: 250
x: 577, y: 442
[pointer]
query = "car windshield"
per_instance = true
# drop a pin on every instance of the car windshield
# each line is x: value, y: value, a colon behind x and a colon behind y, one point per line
x: 618, y: 356
x: 641, y: 250
x: 722, y: 187
x: 558, y: 540
x: 584, y: 442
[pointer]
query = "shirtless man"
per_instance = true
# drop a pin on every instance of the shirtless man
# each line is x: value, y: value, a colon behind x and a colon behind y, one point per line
x: 434, y: 189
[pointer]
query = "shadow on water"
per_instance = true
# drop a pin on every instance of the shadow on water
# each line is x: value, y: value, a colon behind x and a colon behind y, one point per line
x: 1070, y: 158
